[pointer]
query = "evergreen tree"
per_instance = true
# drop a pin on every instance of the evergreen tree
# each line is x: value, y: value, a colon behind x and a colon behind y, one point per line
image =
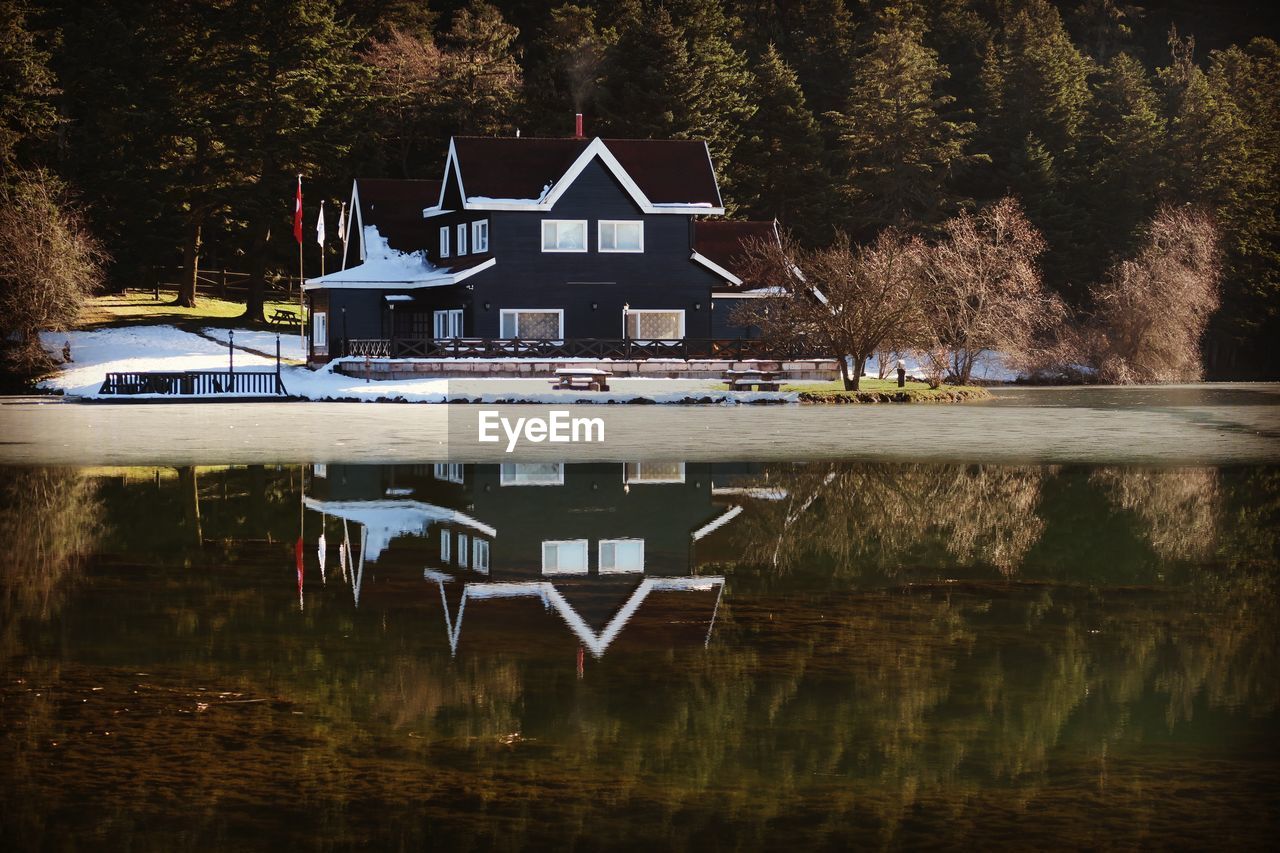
x: 818, y: 39
x: 650, y: 87
x: 482, y: 88
x: 778, y: 163
x: 27, y: 85
x: 899, y: 145
x: 565, y: 69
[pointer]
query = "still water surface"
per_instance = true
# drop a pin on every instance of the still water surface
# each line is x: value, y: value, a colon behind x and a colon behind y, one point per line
x: 700, y: 655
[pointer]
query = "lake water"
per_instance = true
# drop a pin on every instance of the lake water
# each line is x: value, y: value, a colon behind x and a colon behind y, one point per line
x: 1035, y: 650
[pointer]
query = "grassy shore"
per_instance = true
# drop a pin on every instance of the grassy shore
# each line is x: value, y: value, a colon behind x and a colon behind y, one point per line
x: 885, y: 391
x: 139, y: 308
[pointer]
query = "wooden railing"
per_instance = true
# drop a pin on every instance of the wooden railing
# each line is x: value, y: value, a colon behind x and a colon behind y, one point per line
x: 621, y: 348
x: 195, y: 383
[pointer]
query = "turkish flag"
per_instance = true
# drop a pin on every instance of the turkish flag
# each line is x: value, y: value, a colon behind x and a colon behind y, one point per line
x: 297, y: 214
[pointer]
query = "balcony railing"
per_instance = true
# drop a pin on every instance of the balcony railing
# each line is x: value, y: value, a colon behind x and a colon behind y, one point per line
x: 194, y: 383
x: 737, y: 349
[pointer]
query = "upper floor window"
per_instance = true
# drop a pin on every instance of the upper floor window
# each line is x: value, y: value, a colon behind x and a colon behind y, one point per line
x: 564, y: 235
x: 462, y: 239
x: 444, y: 242
x: 621, y: 236
x: 480, y: 236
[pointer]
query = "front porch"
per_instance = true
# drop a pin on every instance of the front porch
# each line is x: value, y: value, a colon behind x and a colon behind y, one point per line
x: 626, y: 349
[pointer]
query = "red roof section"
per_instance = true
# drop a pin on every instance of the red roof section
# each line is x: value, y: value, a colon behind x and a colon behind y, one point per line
x: 395, y: 206
x: 725, y: 242
x: 667, y: 171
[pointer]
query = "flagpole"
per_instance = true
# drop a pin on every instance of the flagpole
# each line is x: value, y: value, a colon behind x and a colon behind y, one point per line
x: 302, y: 307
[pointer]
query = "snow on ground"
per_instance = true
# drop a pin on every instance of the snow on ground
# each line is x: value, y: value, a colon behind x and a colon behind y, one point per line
x: 164, y: 348
x: 265, y: 342
x: 988, y: 367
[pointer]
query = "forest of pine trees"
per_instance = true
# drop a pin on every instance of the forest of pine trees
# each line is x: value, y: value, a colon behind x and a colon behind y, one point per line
x: 178, y: 127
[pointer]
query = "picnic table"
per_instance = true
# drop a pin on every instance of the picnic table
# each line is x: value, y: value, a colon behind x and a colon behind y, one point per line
x: 582, y: 378
x: 283, y: 315
x: 747, y: 380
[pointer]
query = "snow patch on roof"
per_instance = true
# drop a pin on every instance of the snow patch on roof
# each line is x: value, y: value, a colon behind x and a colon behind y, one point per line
x: 484, y: 199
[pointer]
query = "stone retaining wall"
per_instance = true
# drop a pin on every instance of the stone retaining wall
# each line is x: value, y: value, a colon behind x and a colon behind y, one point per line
x: 478, y: 368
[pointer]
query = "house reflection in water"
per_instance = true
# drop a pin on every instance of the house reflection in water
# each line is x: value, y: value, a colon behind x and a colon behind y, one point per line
x: 609, y: 548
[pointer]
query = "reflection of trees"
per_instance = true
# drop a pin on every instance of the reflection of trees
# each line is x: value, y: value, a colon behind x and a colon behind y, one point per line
x: 50, y: 518
x: 885, y: 516
x: 1177, y: 506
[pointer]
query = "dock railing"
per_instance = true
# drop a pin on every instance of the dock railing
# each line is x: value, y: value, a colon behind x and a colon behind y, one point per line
x: 195, y: 383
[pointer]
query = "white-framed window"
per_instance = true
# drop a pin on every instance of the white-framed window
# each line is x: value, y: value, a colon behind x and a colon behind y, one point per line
x: 531, y: 474
x: 464, y: 542
x: 618, y: 556
x: 532, y: 324
x: 320, y: 470
x: 480, y: 555
x: 480, y: 236
x: 462, y: 239
x: 621, y: 235
x: 651, y: 324
x: 653, y: 472
x: 564, y: 235
x: 564, y: 557
x: 446, y: 324
x: 446, y: 540
x: 444, y: 241
x: 449, y: 472
x: 320, y: 331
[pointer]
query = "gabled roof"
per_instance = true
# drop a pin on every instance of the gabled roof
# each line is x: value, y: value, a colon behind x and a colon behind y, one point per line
x: 722, y: 246
x: 394, y: 207
x: 661, y: 175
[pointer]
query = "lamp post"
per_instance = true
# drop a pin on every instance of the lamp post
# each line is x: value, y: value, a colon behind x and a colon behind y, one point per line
x: 231, y: 353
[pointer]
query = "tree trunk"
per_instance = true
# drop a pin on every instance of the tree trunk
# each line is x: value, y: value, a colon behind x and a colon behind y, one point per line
x: 257, y: 284
x: 859, y: 365
x: 190, y: 264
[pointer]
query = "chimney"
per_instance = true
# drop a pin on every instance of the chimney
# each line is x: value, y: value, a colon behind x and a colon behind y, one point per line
x: 577, y: 125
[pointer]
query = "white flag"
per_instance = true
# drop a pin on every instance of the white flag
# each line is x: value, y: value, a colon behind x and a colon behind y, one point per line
x: 342, y: 224
x: 320, y: 226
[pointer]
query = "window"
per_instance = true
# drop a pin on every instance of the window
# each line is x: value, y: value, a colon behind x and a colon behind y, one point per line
x: 449, y: 472
x: 653, y: 472
x: 447, y: 324
x: 480, y: 556
x: 444, y: 241
x: 446, y: 539
x: 564, y: 557
x: 532, y: 324
x: 320, y: 331
x: 647, y: 325
x: 621, y: 236
x: 463, y: 541
x: 462, y: 239
x: 564, y: 235
x: 621, y: 555
x: 480, y: 236
x: 531, y: 474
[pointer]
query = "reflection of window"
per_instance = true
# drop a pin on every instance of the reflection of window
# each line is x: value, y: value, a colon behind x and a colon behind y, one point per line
x: 533, y: 324
x: 462, y: 549
x: 564, y: 557
x: 621, y: 555
x: 621, y: 236
x: 653, y: 472
x: 531, y: 474
x: 450, y: 472
x: 480, y: 556
x: 646, y: 325
x: 564, y: 235
x: 320, y: 470
x: 446, y: 538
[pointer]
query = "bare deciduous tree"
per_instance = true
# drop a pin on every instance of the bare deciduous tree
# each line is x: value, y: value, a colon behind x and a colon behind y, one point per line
x: 1150, y: 314
x: 50, y: 265
x: 845, y: 300
x: 407, y: 86
x: 985, y: 293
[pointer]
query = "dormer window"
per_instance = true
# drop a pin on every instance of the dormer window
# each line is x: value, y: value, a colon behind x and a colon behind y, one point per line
x: 444, y: 242
x: 462, y: 239
x: 621, y: 235
x: 564, y: 235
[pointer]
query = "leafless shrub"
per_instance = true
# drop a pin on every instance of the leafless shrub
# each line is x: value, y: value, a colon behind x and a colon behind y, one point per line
x: 985, y: 292
x: 846, y: 300
x: 50, y: 265
x: 1151, y: 312
x: 1179, y: 507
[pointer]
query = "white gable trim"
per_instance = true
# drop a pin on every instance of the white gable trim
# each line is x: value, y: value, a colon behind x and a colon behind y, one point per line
x: 596, y: 148
x: 715, y: 268
x: 355, y: 205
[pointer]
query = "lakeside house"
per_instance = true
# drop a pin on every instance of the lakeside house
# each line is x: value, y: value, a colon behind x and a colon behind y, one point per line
x: 569, y: 247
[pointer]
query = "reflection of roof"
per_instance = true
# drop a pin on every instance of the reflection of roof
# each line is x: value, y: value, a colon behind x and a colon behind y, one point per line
x: 553, y: 598
x: 385, y: 520
x: 667, y: 171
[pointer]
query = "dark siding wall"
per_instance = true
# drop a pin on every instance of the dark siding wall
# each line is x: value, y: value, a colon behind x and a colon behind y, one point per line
x: 722, y: 325
x: 526, y: 277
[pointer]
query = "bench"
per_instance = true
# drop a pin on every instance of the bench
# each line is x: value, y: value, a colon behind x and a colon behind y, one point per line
x: 581, y: 379
x: 283, y: 316
x: 752, y: 380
